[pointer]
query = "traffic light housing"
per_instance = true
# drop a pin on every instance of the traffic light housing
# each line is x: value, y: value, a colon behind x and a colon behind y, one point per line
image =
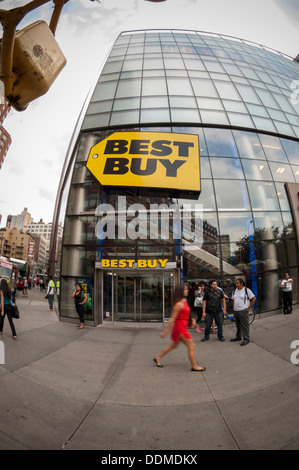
x: 37, y: 61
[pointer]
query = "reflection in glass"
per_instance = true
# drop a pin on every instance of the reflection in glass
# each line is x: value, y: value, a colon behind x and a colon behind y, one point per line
x: 231, y: 195
x: 234, y: 225
x: 263, y: 195
x: 292, y: 149
x: 273, y: 148
x: 248, y: 145
x: 256, y: 169
x: 268, y: 225
x: 220, y: 143
x: 282, y: 172
x: 226, y: 168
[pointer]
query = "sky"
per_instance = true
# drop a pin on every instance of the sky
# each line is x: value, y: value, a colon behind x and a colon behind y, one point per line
x: 86, y: 31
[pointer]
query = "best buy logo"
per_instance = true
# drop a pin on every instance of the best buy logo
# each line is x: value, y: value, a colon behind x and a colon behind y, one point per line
x: 147, y: 159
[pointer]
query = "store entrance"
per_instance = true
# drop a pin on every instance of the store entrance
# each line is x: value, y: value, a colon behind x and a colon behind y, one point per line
x: 140, y: 297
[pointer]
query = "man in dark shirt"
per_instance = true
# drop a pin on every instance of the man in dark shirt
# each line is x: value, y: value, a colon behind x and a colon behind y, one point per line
x: 214, y: 307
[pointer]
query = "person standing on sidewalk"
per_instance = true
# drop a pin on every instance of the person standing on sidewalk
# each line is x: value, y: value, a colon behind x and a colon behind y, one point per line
x: 6, y: 307
x: 243, y: 300
x: 287, y: 294
x: 179, y: 320
x: 80, y: 299
x: 214, y: 307
x: 50, y: 293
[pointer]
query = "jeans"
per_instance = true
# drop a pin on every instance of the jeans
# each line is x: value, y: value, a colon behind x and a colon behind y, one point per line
x: 209, y: 321
x: 51, y: 296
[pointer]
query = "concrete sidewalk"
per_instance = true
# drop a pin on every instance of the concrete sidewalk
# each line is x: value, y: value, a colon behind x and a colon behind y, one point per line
x: 98, y: 388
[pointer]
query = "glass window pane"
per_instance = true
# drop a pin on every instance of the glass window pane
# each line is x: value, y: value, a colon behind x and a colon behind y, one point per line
x: 124, y: 117
x: 179, y: 86
x: 220, y: 143
x: 203, y: 87
x: 282, y: 197
x: 132, y: 103
x: 231, y: 195
x: 153, y: 63
x: 155, y: 115
x: 289, y: 229
x: 154, y: 86
x: 104, y: 91
x: 213, y: 66
x: 234, y: 225
x: 268, y: 225
x: 226, y: 168
x: 282, y: 172
x: 187, y: 115
x: 205, y: 169
x: 248, y: 94
x: 207, y: 197
x: 263, y: 195
x: 227, y: 90
x: 292, y: 150
x: 296, y: 172
x: 182, y: 102
x: 256, y: 170
x: 266, y: 98
x: 194, y: 64
x: 132, y: 64
x: 174, y: 63
x: 127, y: 88
x: 237, y: 119
x: 264, y: 124
x: 257, y: 110
x: 214, y: 117
x: 154, y: 102
x: 235, y: 106
x: 248, y: 145
x: 273, y: 148
x: 113, y: 66
x: 209, y: 103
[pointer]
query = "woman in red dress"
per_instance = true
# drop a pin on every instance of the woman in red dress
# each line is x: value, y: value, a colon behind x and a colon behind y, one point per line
x: 180, y: 320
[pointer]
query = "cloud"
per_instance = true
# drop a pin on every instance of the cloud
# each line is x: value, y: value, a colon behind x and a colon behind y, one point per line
x: 290, y: 8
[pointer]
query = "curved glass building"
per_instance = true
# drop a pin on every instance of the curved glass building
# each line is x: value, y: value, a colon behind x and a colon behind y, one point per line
x: 156, y: 87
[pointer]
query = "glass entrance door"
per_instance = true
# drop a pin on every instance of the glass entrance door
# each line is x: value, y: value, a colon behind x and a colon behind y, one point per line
x: 140, y: 297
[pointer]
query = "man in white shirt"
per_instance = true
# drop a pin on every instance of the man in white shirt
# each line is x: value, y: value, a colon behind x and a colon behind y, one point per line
x: 50, y: 293
x: 287, y: 294
x: 243, y: 299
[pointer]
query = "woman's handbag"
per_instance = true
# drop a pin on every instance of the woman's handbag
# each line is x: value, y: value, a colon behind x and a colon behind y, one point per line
x: 15, y: 311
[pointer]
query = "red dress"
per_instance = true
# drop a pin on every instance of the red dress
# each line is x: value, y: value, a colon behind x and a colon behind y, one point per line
x: 181, y: 324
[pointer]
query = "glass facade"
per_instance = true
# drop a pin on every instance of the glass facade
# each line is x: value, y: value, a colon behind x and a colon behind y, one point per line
x: 235, y: 97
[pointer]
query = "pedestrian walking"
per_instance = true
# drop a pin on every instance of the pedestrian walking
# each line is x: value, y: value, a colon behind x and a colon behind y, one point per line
x: 50, y: 293
x: 287, y: 294
x: 25, y: 287
x: 58, y: 290
x: 214, y: 307
x: 179, y: 322
x: 80, y: 299
x: 198, y: 304
x: 243, y: 300
x: 6, y: 307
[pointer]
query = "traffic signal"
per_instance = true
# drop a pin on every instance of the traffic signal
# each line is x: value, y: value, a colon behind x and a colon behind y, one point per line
x: 37, y: 60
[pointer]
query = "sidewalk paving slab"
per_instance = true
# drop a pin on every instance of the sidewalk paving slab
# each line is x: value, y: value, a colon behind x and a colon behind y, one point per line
x: 99, y: 389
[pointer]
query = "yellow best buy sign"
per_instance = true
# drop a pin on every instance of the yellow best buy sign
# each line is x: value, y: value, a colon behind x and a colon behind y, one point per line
x: 147, y: 159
